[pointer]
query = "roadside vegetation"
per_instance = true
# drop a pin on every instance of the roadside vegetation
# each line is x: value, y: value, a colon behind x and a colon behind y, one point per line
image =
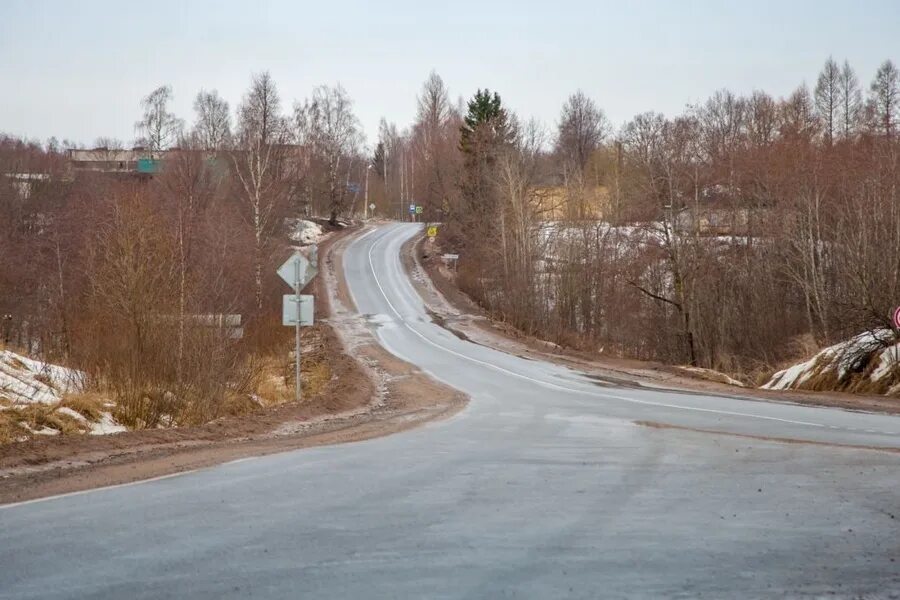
x: 742, y: 235
x: 156, y: 283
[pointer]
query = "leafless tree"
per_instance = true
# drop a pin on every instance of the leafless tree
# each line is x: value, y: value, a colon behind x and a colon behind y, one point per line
x: 434, y: 139
x: 849, y: 101
x: 390, y: 141
x: 582, y: 128
x: 798, y: 115
x: 188, y: 184
x: 212, y: 125
x: 884, y: 99
x: 762, y: 120
x: 827, y: 95
x: 259, y: 162
x: 327, y: 126
x: 159, y: 129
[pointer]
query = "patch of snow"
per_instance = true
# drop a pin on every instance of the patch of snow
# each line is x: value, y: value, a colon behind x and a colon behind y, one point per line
x: 888, y: 361
x: 791, y: 376
x: 42, y: 431
x: 869, y: 347
x: 106, y: 425
x: 714, y: 375
x: 24, y: 380
x: 65, y: 410
x: 304, y: 232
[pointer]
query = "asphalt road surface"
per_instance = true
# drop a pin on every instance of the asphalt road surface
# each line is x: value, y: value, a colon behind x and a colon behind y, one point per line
x: 543, y: 487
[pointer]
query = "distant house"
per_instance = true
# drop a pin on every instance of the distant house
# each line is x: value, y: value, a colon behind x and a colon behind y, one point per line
x: 554, y: 203
x: 718, y: 211
x: 112, y: 160
x: 713, y: 220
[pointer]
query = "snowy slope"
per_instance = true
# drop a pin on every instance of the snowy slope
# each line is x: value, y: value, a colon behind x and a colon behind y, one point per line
x: 868, y: 362
x: 26, y: 382
x: 305, y: 232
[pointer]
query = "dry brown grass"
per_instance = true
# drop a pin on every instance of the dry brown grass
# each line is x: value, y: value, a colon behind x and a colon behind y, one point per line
x: 90, y: 405
x: 236, y: 404
x: 17, y: 364
x: 271, y: 384
x: 39, y: 416
x: 315, y: 378
x: 10, y: 429
x: 19, y: 422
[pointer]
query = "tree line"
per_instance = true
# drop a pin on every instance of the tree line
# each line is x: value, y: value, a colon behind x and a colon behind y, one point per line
x: 740, y: 234
x: 135, y: 279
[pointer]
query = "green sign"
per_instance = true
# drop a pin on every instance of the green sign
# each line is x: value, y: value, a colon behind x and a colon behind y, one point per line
x: 418, y: 210
x: 147, y: 165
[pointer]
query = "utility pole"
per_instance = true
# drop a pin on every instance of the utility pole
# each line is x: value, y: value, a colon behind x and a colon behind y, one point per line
x: 366, y: 205
x: 297, y: 390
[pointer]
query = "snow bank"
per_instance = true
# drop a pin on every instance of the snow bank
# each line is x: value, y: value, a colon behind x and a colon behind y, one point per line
x: 304, y: 232
x: 24, y: 380
x: 106, y: 425
x: 868, y: 362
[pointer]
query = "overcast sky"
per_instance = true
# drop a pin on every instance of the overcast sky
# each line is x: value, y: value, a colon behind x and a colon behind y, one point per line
x: 77, y: 70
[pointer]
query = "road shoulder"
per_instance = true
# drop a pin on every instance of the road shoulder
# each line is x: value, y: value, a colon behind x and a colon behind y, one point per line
x: 455, y: 311
x: 371, y: 394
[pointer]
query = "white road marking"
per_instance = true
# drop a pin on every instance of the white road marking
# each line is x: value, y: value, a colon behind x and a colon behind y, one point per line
x: 100, y: 489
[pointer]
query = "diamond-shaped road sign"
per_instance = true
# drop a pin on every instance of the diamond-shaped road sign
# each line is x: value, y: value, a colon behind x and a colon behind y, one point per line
x: 298, y: 269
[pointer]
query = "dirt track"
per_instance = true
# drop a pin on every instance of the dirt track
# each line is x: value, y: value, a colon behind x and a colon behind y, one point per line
x: 371, y: 394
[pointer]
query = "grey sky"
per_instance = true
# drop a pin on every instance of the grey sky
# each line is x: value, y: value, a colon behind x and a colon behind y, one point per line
x: 77, y: 70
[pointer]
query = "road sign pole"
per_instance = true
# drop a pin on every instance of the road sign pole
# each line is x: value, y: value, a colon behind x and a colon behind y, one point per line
x: 297, y: 391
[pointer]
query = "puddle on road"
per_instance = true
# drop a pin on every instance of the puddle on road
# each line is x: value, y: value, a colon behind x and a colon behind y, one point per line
x: 611, y: 382
x: 441, y: 321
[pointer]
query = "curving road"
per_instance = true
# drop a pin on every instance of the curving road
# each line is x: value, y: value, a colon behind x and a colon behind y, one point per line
x: 542, y: 487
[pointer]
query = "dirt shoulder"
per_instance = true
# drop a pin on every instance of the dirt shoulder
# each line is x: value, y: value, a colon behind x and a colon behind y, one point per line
x: 370, y: 394
x: 455, y: 311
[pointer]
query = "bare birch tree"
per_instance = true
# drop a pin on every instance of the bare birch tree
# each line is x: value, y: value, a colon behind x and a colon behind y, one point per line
x: 258, y: 161
x: 159, y: 129
x: 212, y: 124
x: 327, y: 126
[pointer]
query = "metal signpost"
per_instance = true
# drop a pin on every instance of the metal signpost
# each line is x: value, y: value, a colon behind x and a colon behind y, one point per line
x: 297, y: 310
x: 454, y: 258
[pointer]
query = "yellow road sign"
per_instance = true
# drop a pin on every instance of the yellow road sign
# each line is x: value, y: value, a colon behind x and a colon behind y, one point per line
x: 432, y: 231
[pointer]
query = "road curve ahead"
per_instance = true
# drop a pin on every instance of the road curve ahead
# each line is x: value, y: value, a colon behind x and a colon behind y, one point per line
x: 543, y: 487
